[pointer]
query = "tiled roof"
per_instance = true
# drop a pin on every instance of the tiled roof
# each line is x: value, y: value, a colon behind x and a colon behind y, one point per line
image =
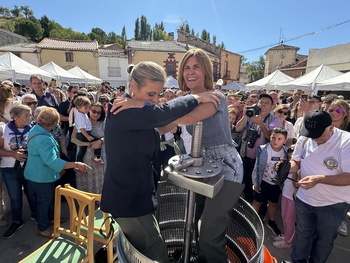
x: 170, y: 46
x: 283, y: 47
x: 8, y: 38
x: 20, y: 47
x: 50, y: 43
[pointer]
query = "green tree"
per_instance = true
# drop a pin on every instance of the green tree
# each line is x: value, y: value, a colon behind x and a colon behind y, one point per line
x: 123, y: 34
x: 99, y: 35
x: 159, y: 32
x: 5, y: 12
x: 184, y: 27
x: 214, y: 40
x: 111, y: 38
x: 137, y: 34
x: 256, y: 69
x: 222, y: 45
x: 45, y: 24
x: 144, y: 28
x: 26, y: 11
x: 16, y: 11
x: 9, y: 26
x: 59, y: 32
x: 29, y: 28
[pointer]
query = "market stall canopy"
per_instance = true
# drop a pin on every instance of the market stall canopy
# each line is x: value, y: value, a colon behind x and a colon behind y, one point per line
x: 341, y: 82
x: 233, y: 86
x: 88, y: 77
x: 6, y: 73
x: 308, y: 81
x: 270, y: 81
x: 61, y: 73
x: 23, y: 69
x: 171, y: 83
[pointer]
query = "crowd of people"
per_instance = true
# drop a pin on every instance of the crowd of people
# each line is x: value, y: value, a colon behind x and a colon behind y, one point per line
x: 92, y: 137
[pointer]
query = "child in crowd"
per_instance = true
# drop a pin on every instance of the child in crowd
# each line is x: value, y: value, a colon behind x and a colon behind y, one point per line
x: 287, y: 211
x: 264, y: 172
x: 84, y: 127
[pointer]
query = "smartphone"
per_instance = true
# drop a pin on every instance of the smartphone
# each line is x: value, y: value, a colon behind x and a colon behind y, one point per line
x: 304, y: 96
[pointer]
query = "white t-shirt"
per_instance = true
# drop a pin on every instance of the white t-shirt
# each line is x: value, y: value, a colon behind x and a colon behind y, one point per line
x: 272, y: 158
x: 330, y: 158
x: 82, y: 121
x: 10, y: 142
x: 288, y: 126
x: 288, y: 188
x: 298, y: 125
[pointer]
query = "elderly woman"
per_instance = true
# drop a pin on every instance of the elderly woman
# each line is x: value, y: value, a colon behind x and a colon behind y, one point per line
x: 44, y: 166
x: 13, y: 145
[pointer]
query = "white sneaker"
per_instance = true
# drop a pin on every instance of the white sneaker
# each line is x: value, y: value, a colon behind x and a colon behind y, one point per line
x: 279, y: 237
x: 281, y: 244
x: 343, y: 228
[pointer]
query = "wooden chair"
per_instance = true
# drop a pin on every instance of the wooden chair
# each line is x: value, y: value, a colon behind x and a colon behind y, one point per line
x: 102, y: 223
x: 68, y: 244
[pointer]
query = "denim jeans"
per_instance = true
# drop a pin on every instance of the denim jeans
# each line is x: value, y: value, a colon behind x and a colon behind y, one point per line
x: 14, y: 181
x: 316, y: 230
x: 43, y: 193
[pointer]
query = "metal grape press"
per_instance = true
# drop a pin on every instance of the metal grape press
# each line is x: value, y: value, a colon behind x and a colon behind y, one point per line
x: 186, y: 176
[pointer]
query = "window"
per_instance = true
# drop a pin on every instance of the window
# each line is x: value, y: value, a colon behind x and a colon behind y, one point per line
x: 171, y: 55
x: 171, y: 69
x: 69, y: 57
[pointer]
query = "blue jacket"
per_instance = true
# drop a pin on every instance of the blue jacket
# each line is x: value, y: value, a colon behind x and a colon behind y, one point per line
x: 260, y: 164
x: 43, y: 164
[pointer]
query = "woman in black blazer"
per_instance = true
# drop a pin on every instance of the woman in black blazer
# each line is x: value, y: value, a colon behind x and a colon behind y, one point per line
x: 131, y: 142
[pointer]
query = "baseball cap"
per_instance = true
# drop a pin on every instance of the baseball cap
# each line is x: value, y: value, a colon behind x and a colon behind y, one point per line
x: 16, y: 84
x: 315, y: 123
x: 264, y: 95
x: 219, y: 82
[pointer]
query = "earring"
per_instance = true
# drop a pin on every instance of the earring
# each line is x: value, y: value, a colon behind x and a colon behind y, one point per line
x: 132, y: 94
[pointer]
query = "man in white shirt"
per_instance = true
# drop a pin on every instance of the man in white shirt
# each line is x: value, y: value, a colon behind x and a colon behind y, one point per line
x: 322, y: 154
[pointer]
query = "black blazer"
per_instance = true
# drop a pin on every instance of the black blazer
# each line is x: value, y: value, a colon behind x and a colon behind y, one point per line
x: 131, y: 143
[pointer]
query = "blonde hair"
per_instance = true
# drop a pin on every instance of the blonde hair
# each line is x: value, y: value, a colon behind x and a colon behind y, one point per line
x: 82, y: 101
x: 205, y: 63
x: 345, y: 107
x: 5, y: 96
x: 18, y: 110
x: 146, y: 71
x: 48, y: 117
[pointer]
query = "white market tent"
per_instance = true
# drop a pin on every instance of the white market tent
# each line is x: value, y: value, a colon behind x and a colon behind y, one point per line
x: 23, y: 69
x: 341, y: 82
x: 308, y: 81
x: 61, y: 73
x: 233, y: 86
x: 171, y: 83
x: 270, y: 81
x: 87, y: 77
x: 6, y: 73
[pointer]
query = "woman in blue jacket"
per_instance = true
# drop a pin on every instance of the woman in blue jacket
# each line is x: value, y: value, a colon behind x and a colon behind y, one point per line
x: 44, y: 166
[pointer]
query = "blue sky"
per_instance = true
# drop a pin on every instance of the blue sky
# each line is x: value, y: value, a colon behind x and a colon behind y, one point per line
x: 241, y: 25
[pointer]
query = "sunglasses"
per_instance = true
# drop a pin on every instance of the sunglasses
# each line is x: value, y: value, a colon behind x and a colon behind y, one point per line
x: 31, y: 103
x: 96, y: 112
x: 283, y: 112
x: 340, y: 111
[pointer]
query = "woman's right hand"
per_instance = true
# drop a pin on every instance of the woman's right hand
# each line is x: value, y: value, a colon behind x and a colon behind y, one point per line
x: 208, y: 96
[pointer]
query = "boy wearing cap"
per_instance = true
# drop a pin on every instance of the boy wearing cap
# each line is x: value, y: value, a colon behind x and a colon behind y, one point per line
x: 322, y: 154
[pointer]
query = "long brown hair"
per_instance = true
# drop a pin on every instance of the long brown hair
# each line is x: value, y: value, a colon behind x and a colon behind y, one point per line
x: 205, y: 63
x: 6, y: 96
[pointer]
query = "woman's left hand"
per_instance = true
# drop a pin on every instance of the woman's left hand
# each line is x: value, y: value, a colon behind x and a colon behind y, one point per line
x: 208, y: 96
x: 121, y: 103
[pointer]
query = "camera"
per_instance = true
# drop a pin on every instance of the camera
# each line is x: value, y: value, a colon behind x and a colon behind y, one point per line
x: 253, y: 110
x: 251, y: 137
